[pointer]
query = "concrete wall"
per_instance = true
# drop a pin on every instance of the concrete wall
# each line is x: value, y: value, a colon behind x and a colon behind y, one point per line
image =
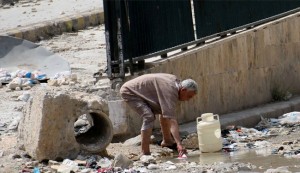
x: 239, y: 71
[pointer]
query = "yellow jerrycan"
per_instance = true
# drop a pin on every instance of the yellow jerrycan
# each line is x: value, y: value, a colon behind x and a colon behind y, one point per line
x: 209, y: 133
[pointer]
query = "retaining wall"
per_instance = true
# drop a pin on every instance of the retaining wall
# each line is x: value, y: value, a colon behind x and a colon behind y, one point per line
x: 240, y: 71
x: 234, y: 73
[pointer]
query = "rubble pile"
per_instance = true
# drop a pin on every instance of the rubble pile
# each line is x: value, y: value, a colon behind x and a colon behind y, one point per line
x: 235, y: 138
x: 25, y: 80
x: 96, y: 164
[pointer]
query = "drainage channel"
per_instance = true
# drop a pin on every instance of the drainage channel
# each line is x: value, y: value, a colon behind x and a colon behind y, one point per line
x: 261, y: 158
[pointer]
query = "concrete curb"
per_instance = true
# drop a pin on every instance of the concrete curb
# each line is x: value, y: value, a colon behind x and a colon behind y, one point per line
x: 250, y: 117
x: 48, y: 29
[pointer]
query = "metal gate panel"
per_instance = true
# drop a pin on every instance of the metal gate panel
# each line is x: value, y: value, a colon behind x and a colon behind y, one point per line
x: 138, y: 29
x: 154, y: 25
x: 213, y: 16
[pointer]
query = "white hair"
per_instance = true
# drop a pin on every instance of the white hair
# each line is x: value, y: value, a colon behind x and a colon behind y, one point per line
x: 189, y: 84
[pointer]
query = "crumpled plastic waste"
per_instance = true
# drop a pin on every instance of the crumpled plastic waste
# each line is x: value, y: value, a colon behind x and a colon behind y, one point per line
x: 68, y: 166
x: 5, y: 77
x: 36, y: 170
x: 104, y: 163
x: 41, y: 76
x: 92, y: 162
x: 64, y: 74
x: 21, y: 78
x: 104, y: 170
x: 261, y: 144
x: 230, y: 148
x: 282, y: 169
x: 290, y: 118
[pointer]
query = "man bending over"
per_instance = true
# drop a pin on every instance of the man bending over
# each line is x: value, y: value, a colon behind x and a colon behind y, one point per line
x: 152, y: 94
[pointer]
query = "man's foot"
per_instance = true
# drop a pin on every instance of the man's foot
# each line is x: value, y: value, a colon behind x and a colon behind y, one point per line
x: 137, y: 157
x: 172, y: 146
x: 146, y: 153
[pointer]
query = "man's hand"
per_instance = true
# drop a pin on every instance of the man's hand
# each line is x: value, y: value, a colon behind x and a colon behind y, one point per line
x: 181, y: 150
x: 175, y: 133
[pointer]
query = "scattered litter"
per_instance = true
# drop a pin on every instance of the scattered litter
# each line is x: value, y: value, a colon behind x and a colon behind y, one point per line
x: 278, y: 170
x: 290, y: 118
x: 230, y: 148
x: 104, y: 163
x: 36, y: 170
x: 64, y: 74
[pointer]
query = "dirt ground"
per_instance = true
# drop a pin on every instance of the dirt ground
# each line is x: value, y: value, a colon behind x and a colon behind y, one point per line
x: 85, y: 51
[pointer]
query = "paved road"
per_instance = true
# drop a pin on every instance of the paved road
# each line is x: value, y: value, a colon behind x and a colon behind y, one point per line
x: 27, y: 13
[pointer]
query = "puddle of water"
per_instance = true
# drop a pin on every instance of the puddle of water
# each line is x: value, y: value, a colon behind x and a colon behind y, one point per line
x: 261, y: 158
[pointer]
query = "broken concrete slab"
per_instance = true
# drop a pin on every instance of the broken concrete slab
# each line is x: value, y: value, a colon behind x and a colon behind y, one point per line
x: 126, y: 122
x: 47, y: 128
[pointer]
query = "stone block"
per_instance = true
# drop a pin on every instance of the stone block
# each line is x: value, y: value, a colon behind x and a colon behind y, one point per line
x: 124, y: 120
x: 126, y: 123
x: 47, y: 128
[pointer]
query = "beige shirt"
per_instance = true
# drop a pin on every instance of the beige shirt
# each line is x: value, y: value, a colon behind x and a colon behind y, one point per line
x: 159, y: 91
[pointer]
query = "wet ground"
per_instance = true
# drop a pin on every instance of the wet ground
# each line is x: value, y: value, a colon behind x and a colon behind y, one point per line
x: 261, y: 158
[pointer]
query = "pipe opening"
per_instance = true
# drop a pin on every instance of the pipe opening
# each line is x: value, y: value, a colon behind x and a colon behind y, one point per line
x: 93, y: 131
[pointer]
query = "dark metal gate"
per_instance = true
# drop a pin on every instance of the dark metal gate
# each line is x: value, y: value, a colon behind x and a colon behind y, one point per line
x: 218, y: 16
x: 138, y: 29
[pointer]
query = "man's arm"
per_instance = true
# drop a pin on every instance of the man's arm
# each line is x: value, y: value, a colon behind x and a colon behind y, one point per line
x: 174, y: 128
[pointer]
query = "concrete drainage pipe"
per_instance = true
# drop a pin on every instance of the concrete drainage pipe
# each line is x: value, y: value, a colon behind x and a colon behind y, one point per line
x: 47, y: 130
x: 99, y: 136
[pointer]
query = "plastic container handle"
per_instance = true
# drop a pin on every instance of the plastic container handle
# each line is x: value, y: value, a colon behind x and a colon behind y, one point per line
x: 198, y: 119
x: 216, y: 115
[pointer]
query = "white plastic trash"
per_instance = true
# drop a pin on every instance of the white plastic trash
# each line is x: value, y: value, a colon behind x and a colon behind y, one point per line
x: 209, y: 133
